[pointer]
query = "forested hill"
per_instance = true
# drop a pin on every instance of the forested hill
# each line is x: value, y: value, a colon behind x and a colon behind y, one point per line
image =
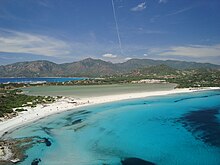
x: 95, y: 68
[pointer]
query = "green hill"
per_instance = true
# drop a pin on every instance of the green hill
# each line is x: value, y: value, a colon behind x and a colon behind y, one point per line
x: 95, y: 68
x: 159, y: 70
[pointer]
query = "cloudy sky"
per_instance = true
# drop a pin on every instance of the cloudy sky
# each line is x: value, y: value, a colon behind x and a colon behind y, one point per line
x: 113, y: 30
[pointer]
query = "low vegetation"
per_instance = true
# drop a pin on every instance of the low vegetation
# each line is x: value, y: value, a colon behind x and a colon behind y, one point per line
x: 10, y: 99
x: 183, y: 78
x: 196, y: 78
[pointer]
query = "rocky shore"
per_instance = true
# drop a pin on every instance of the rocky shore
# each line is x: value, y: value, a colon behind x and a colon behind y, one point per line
x: 12, y: 150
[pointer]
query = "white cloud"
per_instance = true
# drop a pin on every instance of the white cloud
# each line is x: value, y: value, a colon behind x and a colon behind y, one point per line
x: 44, y: 3
x: 179, y: 11
x: 156, y: 17
x: 19, y: 42
x: 147, y: 31
x: 162, y: 1
x: 194, y: 51
x: 145, y: 55
x: 139, y: 7
x: 128, y: 58
x: 109, y: 55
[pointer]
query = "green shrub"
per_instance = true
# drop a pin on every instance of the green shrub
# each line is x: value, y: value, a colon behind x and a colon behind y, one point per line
x: 20, y: 110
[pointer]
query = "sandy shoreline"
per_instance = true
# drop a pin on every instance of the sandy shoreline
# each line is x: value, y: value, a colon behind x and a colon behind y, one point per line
x: 66, y: 103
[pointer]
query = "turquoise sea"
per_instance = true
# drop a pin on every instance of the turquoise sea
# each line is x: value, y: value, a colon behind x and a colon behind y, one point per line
x: 180, y: 129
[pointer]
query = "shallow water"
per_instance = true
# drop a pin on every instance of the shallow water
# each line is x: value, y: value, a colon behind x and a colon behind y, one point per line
x: 181, y: 129
x: 82, y: 91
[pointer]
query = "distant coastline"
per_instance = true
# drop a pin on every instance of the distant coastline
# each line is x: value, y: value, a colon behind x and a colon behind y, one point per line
x: 38, y: 79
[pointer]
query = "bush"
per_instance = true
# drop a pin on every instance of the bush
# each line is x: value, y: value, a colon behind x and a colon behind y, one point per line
x: 20, y: 110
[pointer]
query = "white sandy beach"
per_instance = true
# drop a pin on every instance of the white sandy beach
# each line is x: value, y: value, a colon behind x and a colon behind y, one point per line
x: 67, y: 103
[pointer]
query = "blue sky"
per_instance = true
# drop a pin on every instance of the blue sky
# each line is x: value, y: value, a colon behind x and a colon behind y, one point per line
x: 70, y: 30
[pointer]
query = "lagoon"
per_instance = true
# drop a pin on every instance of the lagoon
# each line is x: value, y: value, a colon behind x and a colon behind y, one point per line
x: 82, y: 91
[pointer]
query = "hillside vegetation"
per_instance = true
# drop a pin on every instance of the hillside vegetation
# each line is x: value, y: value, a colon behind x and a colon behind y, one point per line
x: 93, y: 68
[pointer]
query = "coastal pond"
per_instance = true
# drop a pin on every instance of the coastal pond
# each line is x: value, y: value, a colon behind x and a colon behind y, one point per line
x: 96, y: 90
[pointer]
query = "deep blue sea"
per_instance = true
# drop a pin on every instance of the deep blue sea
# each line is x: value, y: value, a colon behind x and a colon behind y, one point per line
x: 39, y: 79
x: 180, y: 129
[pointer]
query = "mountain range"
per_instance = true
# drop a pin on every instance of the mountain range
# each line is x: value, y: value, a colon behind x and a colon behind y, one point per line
x: 94, y: 67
